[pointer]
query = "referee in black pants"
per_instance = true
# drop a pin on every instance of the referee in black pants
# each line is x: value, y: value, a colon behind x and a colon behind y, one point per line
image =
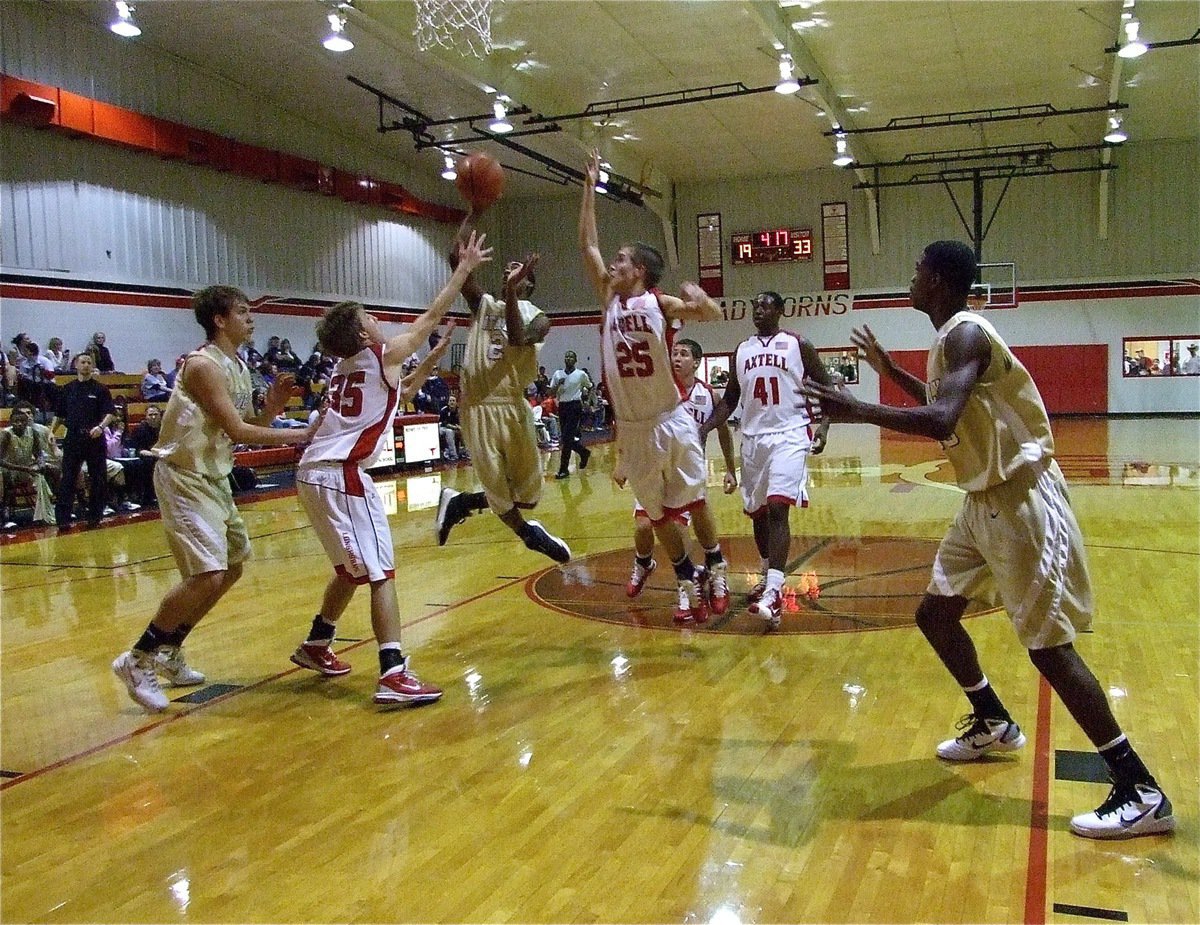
x: 85, y: 407
x: 569, y: 386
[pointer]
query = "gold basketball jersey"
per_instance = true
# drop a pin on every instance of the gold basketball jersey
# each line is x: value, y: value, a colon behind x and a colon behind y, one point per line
x: 1004, y: 424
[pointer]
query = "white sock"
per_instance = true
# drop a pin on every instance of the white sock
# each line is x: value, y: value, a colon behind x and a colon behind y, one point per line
x: 774, y: 579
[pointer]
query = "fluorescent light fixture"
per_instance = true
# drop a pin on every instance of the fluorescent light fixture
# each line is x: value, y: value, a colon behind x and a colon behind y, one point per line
x: 602, y: 182
x: 843, y: 158
x: 787, y: 83
x: 1133, y: 47
x: 500, y: 125
x: 336, y: 40
x: 1116, y: 135
x: 448, y: 172
x: 124, y: 25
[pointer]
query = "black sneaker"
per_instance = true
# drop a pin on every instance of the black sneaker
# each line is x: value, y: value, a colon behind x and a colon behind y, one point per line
x: 539, y: 540
x: 452, y: 510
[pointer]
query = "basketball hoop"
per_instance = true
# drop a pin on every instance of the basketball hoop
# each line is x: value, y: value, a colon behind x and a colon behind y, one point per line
x: 465, y: 25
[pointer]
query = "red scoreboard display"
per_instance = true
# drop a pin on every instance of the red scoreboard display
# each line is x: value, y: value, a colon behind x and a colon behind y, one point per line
x: 772, y: 245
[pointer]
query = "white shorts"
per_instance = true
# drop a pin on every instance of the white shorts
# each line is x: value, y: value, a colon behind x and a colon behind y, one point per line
x: 775, y: 468
x: 348, y: 517
x: 204, y: 529
x: 663, y: 463
x: 1019, y: 543
x: 684, y: 518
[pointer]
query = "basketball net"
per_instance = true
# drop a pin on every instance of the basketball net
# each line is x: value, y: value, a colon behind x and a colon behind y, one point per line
x: 464, y: 25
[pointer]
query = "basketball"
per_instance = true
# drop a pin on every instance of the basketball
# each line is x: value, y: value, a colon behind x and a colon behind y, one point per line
x: 480, y: 180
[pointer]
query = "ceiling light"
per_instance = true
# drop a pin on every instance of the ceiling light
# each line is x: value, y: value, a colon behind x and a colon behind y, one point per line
x: 124, y: 25
x: 336, y: 40
x: 1116, y: 135
x: 843, y: 158
x: 500, y: 125
x: 602, y: 181
x: 787, y: 83
x: 448, y: 172
x: 1133, y: 47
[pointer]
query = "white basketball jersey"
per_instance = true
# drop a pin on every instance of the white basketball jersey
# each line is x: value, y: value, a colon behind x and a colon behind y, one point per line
x: 700, y: 401
x: 635, y: 342
x: 770, y: 370
x: 361, y: 407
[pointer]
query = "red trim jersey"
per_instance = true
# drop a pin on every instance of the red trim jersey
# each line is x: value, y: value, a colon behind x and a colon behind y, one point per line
x: 362, y: 405
x: 700, y: 401
x: 635, y: 345
x: 770, y: 370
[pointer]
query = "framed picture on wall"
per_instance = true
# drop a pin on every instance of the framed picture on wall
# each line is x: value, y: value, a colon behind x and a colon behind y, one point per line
x: 841, y: 363
x: 715, y: 369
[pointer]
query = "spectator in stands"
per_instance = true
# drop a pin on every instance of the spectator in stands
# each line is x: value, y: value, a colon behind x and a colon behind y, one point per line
x: 85, y: 407
x: 24, y: 465
x: 57, y: 355
x: 139, y: 442
x: 321, y: 406
x: 542, y: 382
x: 550, y: 416
x: 35, y: 377
x: 174, y: 373
x: 19, y: 342
x: 1191, y: 366
x: 251, y: 355
x: 434, y: 395
x: 286, y: 360
x: 118, y: 467
x: 104, y: 360
x: 154, y: 383
x: 451, y: 432
x: 272, y: 349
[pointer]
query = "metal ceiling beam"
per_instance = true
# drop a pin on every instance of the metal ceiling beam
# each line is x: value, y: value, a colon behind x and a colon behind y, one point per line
x: 1150, y: 46
x: 1022, y: 152
x: 986, y: 173
x: 482, y: 135
x: 661, y: 100
x: 978, y: 117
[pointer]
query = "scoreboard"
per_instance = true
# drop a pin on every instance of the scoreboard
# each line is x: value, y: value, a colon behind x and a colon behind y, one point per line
x: 772, y: 245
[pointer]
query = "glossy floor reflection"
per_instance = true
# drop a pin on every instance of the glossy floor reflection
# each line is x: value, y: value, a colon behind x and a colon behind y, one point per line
x: 590, y: 762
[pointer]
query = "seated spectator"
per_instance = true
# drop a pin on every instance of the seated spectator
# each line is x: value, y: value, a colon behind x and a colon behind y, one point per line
x: 100, y: 353
x: 24, y: 467
x: 550, y: 417
x: 35, y: 378
x: 451, y: 432
x: 434, y: 395
x: 249, y: 354
x: 139, y: 443
x: 285, y: 359
x: 118, y: 468
x: 542, y: 383
x: 154, y: 383
x: 57, y: 355
x: 174, y: 373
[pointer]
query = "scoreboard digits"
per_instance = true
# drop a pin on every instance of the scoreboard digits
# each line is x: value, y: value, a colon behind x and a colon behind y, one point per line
x: 772, y: 245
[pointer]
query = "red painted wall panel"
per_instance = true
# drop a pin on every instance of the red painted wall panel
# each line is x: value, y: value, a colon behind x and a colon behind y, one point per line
x: 1073, y: 378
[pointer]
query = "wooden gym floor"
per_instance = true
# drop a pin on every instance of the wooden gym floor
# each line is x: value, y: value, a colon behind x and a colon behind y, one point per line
x: 589, y: 762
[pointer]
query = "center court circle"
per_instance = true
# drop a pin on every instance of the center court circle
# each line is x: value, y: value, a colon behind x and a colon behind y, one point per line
x: 834, y: 584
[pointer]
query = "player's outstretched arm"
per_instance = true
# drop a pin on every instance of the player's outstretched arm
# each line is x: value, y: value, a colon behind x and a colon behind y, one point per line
x: 206, y: 384
x: 404, y: 345
x: 519, y: 333
x: 881, y: 361
x: 472, y: 292
x: 967, y: 353
x: 695, y: 305
x: 589, y: 238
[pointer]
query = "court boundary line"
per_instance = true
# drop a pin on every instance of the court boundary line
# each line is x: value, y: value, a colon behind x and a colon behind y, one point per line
x: 176, y: 717
x: 1039, y: 813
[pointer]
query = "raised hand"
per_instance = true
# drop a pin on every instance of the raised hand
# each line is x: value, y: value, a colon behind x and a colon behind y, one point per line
x: 473, y: 253
x: 278, y: 394
x: 520, y: 273
x: 864, y: 339
x: 593, y: 168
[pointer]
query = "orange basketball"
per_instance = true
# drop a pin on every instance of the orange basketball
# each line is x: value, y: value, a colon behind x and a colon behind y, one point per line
x: 480, y: 180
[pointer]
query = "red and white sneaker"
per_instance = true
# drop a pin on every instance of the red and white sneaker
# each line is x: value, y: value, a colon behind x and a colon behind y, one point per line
x: 758, y: 590
x: 769, y: 607
x: 718, y: 587
x: 319, y: 657
x: 691, y: 607
x: 637, y: 578
x: 402, y: 686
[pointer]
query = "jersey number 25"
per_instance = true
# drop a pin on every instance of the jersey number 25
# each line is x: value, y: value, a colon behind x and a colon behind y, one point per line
x: 634, y: 360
